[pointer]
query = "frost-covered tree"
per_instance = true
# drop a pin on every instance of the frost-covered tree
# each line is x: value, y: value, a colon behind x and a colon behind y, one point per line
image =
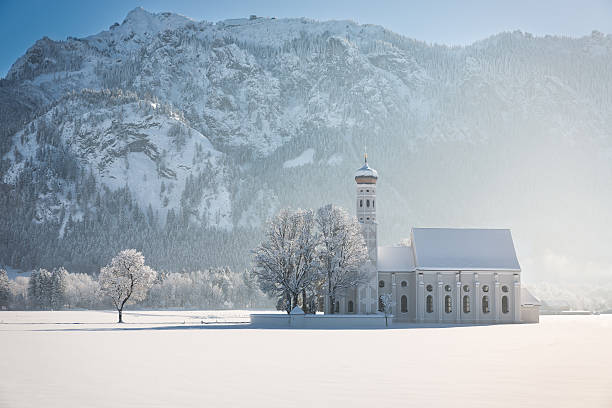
x: 286, y: 262
x: 81, y: 291
x: 386, y: 300
x: 126, y: 279
x: 39, y: 289
x: 342, y: 251
x: 57, y: 295
x: 5, y: 291
x: 19, y: 292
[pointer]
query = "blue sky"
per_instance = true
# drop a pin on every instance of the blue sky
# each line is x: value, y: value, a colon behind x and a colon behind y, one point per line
x: 22, y: 22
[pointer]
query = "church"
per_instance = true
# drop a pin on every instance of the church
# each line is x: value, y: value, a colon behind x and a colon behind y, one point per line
x: 445, y: 275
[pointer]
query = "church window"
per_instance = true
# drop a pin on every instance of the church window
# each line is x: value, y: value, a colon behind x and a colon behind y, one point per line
x: 466, y: 304
x: 350, y: 306
x: 381, y: 306
x: 404, y: 284
x: 367, y: 191
x: 404, y: 304
x: 448, y: 304
x: 447, y: 288
x: 466, y: 288
x: 337, y: 308
x: 485, y: 304
x: 505, y: 308
x: 505, y: 289
x: 381, y: 284
x: 429, y: 304
x: 372, y: 203
x: 368, y: 218
x: 361, y: 203
x: 367, y: 203
x: 485, y: 288
x: 429, y: 288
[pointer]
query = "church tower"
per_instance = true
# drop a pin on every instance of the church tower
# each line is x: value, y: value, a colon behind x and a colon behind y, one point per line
x: 366, y: 178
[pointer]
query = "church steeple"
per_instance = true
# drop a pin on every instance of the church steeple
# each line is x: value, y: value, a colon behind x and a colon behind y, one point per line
x: 366, y: 178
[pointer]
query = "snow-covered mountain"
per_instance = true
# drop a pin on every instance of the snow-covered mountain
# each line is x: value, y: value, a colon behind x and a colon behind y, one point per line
x: 180, y: 137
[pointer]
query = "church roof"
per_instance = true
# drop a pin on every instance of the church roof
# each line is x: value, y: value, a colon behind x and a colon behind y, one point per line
x: 464, y: 249
x: 366, y: 171
x: 395, y: 259
x: 527, y: 298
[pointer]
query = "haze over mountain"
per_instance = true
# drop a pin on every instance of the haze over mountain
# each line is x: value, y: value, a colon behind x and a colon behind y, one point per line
x: 180, y: 138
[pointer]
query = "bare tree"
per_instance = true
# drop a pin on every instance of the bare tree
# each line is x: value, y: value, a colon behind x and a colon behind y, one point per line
x: 342, y: 251
x: 126, y: 279
x: 387, y: 303
x: 286, y: 262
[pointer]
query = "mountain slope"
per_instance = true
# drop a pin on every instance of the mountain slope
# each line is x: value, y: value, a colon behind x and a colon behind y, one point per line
x: 196, y: 132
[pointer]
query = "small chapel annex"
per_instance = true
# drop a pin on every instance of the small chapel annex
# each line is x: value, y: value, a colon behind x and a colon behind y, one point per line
x: 453, y: 275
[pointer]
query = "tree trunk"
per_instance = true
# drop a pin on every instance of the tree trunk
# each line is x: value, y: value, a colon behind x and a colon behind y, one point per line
x: 304, y: 301
x: 120, y: 316
x: 295, y: 301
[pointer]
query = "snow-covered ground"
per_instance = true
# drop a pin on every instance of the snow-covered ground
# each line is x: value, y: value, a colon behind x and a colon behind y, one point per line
x: 82, y: 358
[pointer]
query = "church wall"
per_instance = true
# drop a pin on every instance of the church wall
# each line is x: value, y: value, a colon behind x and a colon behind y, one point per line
x: 469, y: 307
x: 409, y: 290
x: 485, y: 294
x: 476, y: 285
x: 495, y: 282
x: 430, y: 286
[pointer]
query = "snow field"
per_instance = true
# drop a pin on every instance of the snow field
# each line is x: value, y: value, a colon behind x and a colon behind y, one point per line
x: 562, y: 362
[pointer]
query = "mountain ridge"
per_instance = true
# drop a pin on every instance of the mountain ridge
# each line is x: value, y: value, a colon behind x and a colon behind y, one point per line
x: 264, y: 92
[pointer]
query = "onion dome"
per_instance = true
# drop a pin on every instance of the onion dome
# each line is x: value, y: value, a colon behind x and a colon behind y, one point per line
x: 365, y: 174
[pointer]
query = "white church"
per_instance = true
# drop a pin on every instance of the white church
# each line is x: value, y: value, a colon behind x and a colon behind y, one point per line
x: 453, y: 275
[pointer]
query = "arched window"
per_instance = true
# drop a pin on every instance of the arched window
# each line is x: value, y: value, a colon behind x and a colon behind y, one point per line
x: 404, y: 284
x: 367, y: 203
x: 429, y: 288
x: 505, y: 289
x: 381, y: 284
x: 485, y: 304
x: 448, y: 304
x: 337, y: 308
x: 505, y: 308
x: 466, y: 304
x: 429, y: 304
x: 404, y: 304
x: 372, y: 203
x: 361, y: 203
x: 466, y: 288
x: 350, y: 306
x: 381, y: 306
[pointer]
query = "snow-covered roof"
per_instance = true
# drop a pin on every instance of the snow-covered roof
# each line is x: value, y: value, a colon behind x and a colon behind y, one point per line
x: 395, y: 259
x: 366, y: 171
x: 464, y: 249
x: 297, y: 311
x: 527, y: 298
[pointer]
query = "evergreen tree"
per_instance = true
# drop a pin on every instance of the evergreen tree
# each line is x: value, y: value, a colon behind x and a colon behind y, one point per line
x: 5, y: 290
x: 57, y: 296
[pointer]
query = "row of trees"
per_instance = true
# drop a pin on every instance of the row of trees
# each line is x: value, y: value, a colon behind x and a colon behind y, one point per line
x: 217, y: 288
x: 311, y: 255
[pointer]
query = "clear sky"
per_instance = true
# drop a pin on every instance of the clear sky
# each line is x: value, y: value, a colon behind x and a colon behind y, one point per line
x: 22, y: 22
